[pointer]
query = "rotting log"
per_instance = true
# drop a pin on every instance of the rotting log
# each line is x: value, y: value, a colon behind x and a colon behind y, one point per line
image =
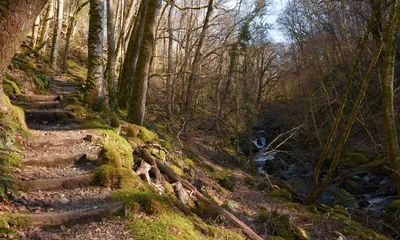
x: 207, y: 202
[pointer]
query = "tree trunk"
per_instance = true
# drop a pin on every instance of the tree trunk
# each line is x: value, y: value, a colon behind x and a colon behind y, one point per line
x: 35, y: 31
x: 138, y: 102
x: 169, y: 77
x: 388, y: 108
x: 44, y: 35
x: 197, y: 58
x: 313, y: 195
x: 95, y: 75
x: 339, y: 112
x: 129, y: 68
x: 56, y: 34
x: 71, y: 27
x: 16, y: 18
x: 112, y: 98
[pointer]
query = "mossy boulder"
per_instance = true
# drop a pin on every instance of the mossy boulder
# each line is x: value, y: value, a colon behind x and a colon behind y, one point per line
x: 354, y: 188
x: 142, y: 133
x: 351, y: 160
x: 394, y: 207
x: 345, y: 199
x: 106, y: 176
x: 225, y: 179
x: 220, y: 233
x: 282, y: 194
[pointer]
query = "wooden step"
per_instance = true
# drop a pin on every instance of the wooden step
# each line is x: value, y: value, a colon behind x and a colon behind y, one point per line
x: 54, y: 160
x: 75, y: 216
x: 54, y: 142
x: 39, y: 98
x: 54, y: 184
x: 40, y: 105
x: 49, y: 116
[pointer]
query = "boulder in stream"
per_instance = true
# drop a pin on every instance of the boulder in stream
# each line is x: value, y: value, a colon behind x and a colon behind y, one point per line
x: 345, y: 199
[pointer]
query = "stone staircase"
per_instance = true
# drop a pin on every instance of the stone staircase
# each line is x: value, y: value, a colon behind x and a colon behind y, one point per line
x: 54, y: 182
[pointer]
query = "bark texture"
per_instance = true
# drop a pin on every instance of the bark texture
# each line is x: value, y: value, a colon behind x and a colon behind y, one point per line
x: 137, y: 105
x: 95, y: 75
x: 16, y: 19
x: 110, y: 74
x: 44, y: 34
x: 56, y: 34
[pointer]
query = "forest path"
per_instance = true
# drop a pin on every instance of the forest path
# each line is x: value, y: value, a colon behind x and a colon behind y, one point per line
x: 54, y: 180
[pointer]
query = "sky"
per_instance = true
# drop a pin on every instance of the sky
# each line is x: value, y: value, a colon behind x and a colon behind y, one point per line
x: 275, y: 10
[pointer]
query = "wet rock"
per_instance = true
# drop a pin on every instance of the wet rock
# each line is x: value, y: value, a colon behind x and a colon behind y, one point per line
x: 351, y: 160
x: 345, y: 199
x: 63, y: 200
x: 354, y: 188
x: 299, y: 184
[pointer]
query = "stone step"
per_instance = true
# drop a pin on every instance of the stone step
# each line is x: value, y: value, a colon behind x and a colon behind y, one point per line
x: 49, y: 116
x: 75, y: 216
x: 54, y: 184
x: 54, y: 160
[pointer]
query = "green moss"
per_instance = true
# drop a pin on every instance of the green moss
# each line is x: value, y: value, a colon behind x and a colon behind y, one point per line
x: 72, y: 100
x: 276, y: 224
x: 302, y: 234
x: 111, y: 155
x: 224, y: 179
x: 167, y: 145
x: 311, y: 209
x: 3, y: 222
x: 343, y: 198
x: 208, y: 167
x: 351, y: 160
x: 220, y: 233
x: 15, y: 219
x: 263, y: 216
x: 142, y: 133
x: 393, y: 207
x: 128, y: 179
x: 95, y: 123
x: 281, y: 194
x: 150, y: 202
x: 114, y: 121
x: 119, y: 148
x: 189, y: 163
x: 106, y: 176
x: 76, y: 110
x: 13, y: 87
x: 177, y: 170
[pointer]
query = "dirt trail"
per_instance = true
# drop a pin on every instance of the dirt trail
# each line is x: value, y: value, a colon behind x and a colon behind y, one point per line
x: 55, y: 176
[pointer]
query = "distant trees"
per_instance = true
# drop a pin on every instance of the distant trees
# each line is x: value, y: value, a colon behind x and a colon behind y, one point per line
x: 56, y: 33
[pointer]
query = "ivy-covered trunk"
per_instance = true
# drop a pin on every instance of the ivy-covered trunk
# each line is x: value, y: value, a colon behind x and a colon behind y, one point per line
x: 16, y: 19
x: 95, y: 75
x: 139, y: 90
x: 56, y: 34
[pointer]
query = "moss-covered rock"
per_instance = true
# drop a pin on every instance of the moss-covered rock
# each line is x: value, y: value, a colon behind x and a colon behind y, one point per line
x: 225, y: 179
x: 114, y: 121
x: 345, y: 199
x: 77, y: 110
x: 351, y: 160
x: 177, y: 170
x: 354, y: 188
x: 142, y: 133
x: 106, y: 176
x: 282, y: 194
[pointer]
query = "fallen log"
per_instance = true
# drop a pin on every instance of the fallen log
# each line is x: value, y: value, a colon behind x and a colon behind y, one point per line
x: 210, y: 204
x: 146, y: 156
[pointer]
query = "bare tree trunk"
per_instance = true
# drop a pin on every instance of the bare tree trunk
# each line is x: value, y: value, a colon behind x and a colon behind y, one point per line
x: 388, y: 108
x: 138, y: 102
x: 128, y: 72
x: 339, y: 112
x: 44, y: 35
x: 71, y: 27
x: 313, y: 195
x: 111, y: 57
x: 16, y: 17
x: 95, y: 75
x: 169, y: 77
x: 35, y: 31
x: 56, y: 34
x: 197, y: 58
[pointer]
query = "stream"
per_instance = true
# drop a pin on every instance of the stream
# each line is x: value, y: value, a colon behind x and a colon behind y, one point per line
x: 374, y: 191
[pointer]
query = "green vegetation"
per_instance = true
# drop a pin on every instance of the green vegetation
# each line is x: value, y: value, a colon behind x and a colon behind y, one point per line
x: 282, y: 194
x: 351, y: 160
